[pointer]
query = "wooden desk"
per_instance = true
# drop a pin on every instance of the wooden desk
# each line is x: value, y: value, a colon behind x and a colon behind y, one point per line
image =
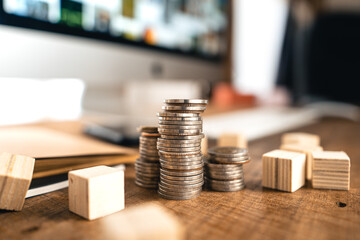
x: 253, y: 213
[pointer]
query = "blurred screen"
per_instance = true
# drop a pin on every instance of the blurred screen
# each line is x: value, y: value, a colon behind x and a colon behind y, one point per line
x: 190, y: 26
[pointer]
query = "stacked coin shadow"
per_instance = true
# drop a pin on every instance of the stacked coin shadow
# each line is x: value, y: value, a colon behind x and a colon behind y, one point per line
x: 224, y: 168
x: 147, y: 167
x: 179, y: 145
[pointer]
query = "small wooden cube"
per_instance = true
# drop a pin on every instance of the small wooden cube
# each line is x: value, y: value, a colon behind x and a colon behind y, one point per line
x: 147, y: 221
x: 300, y: 138
x: 15, y: 177
x: 331, y: 170
x: 232, y: 140
x: 284, y: 170
x: 96, y: 191
x: 204, y: 145
x: 308, y: 150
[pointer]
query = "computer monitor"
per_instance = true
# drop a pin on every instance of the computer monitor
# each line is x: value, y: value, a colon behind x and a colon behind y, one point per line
x: 107, y: 42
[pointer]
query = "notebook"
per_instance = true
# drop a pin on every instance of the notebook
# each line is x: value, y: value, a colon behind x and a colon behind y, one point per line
x: 58, y: 152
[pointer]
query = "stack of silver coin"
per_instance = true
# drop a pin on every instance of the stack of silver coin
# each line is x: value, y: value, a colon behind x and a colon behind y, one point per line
x: 147, y: 167
x: 181, y: 161
x: 223, y: 168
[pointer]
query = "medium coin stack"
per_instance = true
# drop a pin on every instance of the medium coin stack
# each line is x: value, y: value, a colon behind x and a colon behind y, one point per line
x: 181, y: 161
x: 147, y: 167
x: 224, y: 170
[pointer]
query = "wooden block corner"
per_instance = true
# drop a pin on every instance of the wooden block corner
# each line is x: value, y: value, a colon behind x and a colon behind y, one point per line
x: 300, y: 138
x: 15, y: 177
x: 96, y: 191
x: 283, y: 170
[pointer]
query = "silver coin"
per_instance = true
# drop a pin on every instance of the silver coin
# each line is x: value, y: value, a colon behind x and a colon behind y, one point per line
x: 181, y: 173
x: 148, y: 147
x: 182, y: 167
x: 148, y: 152
x: 181, y: 197
x: 183, y: 108
x: 147, y: 129
x: 145, y: 178
x: 180, y: 154
x: 149, y: 135
x: 183, y: 182
x: 230, y: 160
x: 148, y: 173
x: 181, y: 163
x: 185, y: 123
x: 179, y: 149
x: 179, y: 132
x: 184, y: 137
x: 147, y: 169
x: 187, y: 119
x: 223, y: 176
x: 173, y: 145
x: 147, y: 144
x: 223, y: 171
x: 183, y: 158
x: 186, y: 101
x: 179, y: 178
x: 228, y: 152
x: 142, y: 161
x: 222, y: 167
x: 224, y: 186
x: 177, y: 114
x: 180, y: 127
x: 148, y: 139
x: 153, y: 149
x: 179, y: 189
x: 147, y: 164
x: 149, y: 158
x: 224, y: 183
x: 155, y: 183
x: 145, y: 185
x: 179, y: 141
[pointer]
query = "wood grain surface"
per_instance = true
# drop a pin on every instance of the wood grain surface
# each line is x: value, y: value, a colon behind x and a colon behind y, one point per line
x: 253, y: 213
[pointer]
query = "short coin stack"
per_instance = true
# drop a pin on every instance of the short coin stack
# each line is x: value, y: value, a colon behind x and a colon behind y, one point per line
x: 180, y: 126
x: 224, y: 170
x: 147, y: 167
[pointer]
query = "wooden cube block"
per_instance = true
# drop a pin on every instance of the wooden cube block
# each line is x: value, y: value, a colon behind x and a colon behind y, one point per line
x: 147, y: 221
x: 300, y: 138
x: 232, y: 140
x: 284, y: 170
x: 331, y: 170
x: 96, y: 192
x: 15, y: 177
x: 204, y: 145
x: 308, y: 150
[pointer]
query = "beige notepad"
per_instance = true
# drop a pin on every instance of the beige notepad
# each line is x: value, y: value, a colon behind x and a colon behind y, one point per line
x: 58, y: 152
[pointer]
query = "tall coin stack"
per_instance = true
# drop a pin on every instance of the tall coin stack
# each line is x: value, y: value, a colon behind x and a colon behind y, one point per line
x: 223, y: 168
x: 181, y: 161
x: 147, y: 167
